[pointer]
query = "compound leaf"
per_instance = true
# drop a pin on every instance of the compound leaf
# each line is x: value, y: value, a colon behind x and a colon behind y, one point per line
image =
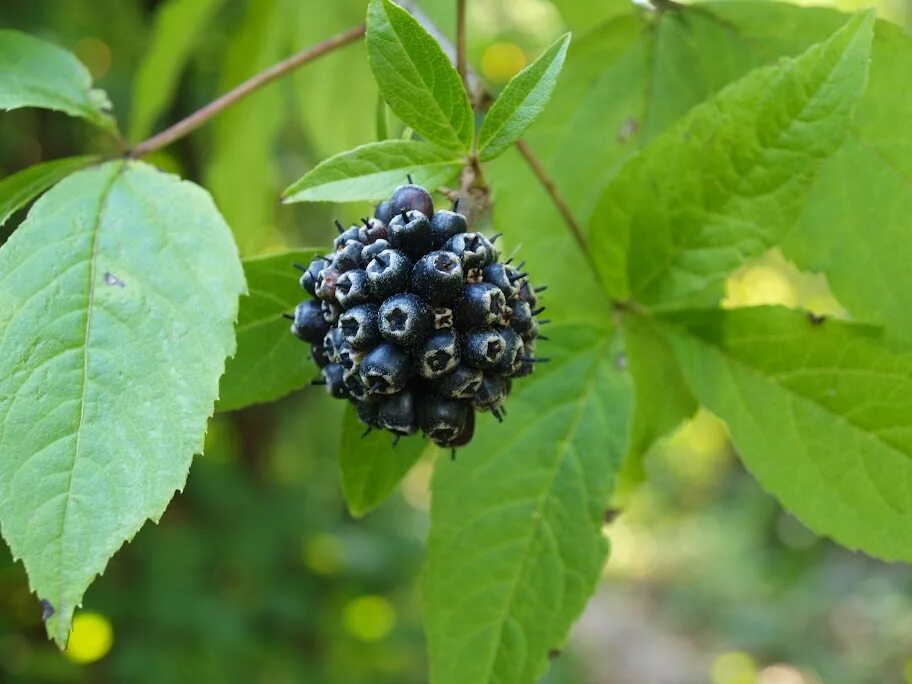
x: 727, y: 181
x: 820, y: 413
x: 34, y: 73
x: 270, y: 362
x: 416, y: 78
x: 118, y: 297
x: 373, y: 171
x: 521, y: 101
x: 516, y: 545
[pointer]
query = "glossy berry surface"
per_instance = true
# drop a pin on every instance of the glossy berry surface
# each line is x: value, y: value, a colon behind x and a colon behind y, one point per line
x: 417, y: 322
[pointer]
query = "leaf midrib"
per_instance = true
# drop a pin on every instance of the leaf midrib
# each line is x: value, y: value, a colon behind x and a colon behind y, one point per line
x: 460, y: 144
x: 539, y: 504
x: 96, y: 239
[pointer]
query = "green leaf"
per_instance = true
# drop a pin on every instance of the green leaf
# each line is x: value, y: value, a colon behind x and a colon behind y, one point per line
x: 821, y: 414
x: 270, y: 362
x: 245, y: 134
x: 857, y: 223
x: 730, y: 179
x: 178, y: 25
x: 516, y: 546
x: 371, y: 468
x: 34, y: 73
x: 21, y: 188
x: 373, y: 171
x: 662, y: 399
x: 118, y: 297
x: 583, y: 14
x: 523, y: 99
x: 416, y: 78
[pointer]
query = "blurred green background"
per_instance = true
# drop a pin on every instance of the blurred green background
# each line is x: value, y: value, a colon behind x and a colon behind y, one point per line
x: 256, y: 573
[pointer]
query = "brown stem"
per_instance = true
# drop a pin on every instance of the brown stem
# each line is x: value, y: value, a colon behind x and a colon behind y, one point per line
x: 201, y: 116
x: 461, y: 42
x: 552, y: 190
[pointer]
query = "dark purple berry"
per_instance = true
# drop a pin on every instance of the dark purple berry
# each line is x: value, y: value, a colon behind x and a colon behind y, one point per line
x: 347, y: 257
x: 444, y: 225
x: 385, y: 369
x: 372, y: 250
x: 490, y: 393
x: 383, y: 212
x: 442, y: 419
x: 411, y: 198
x: 335, y: 383
x: 367, y: 413
x: 405, y: 319
x: 318, y: 354
x: 438, y: 355
x: 345, y: 236
x: 483, y: 348
x: 309, y: 278
x: 473, y: 249
x: 389, y: 273
x: 309, y: 324
x: 513, y: 347
x: 462, y: 383
x: 496, y: 275
x: 353, y: 288
x: 359, y: 326
x: 480, y: 305
x: 437, y: 278
x: 410, y: 232
x: 397, y: 413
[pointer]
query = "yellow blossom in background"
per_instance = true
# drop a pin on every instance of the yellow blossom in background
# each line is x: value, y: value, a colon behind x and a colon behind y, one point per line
x: 91, y: 638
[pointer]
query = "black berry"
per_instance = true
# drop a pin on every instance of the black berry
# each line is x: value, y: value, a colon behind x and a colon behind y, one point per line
x: 405, y: 319
x: 417, y: 322
x: 411, y: 198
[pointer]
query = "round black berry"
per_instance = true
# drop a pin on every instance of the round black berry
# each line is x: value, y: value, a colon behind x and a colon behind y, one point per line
x: 309, y: 324
x: 385, y: 369
x: 438, y: 355
x: 410, y: 232
x: 372, y: 250
x: 353, y: 288
x: 416, y: 322
x: 462, y: 383
x: 405, y: 319
x: 411, y: 198
x: 442, y: 419
x: 480, y: 305
x: 389, y: 273
x: 437, y: 278
x: 383, y: 212
x: 397, y: 413
x: 473, y: 249
x: 359, y: 326
x: 444, y: 225
x: 483, y: 348
x: 309, y: 277
x: 335, y: 383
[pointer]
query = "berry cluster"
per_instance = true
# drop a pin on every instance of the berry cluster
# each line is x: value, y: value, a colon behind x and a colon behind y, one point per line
x: 416, y: 322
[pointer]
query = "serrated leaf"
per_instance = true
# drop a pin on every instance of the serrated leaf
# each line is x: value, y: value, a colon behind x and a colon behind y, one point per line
x: 416, y: 78
x: 516, y: 548
x: 728, y: 181
x: 373, y: 171
x: 270, y: 362
x: 662, y: 399
x: 371, y: 467
x: 857, y: 223
x: 521, y: 101
x: 34, y: 73
x: 118, y: 296
x: 175, y: 34
x: 820, y: 412
x: 21, y: 188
